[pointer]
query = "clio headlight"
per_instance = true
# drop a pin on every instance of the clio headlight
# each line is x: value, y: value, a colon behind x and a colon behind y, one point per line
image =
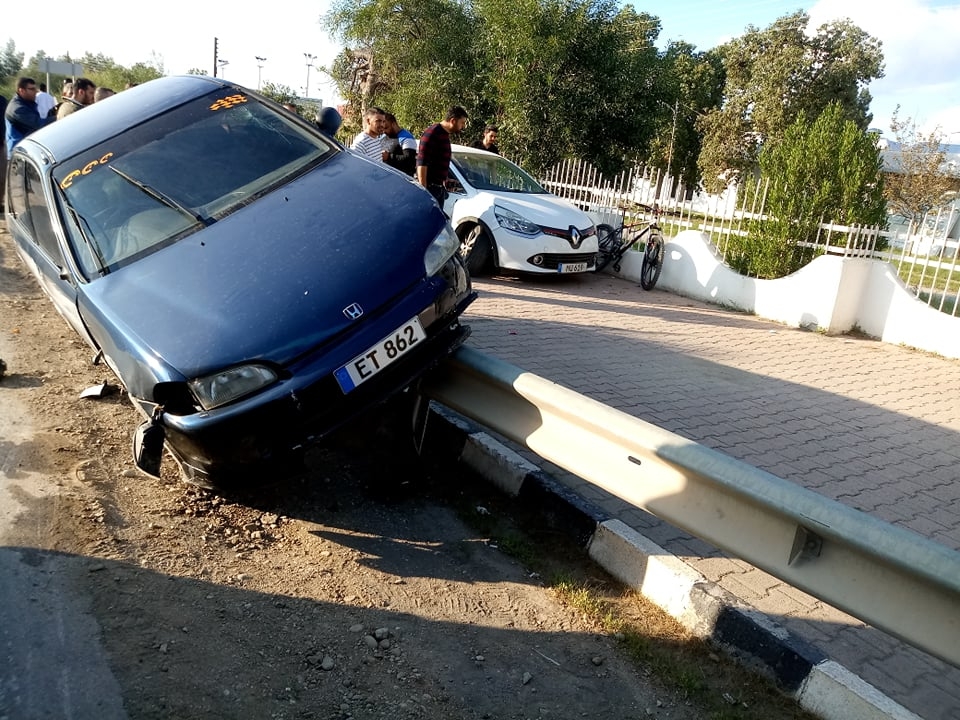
x: 228, y: 385
x: 441, y: 249
x: 512, y: 221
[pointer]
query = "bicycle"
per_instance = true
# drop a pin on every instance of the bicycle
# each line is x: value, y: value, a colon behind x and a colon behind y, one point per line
x: 614, y: 243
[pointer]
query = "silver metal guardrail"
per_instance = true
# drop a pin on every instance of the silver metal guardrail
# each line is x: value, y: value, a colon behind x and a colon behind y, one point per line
x: 885, y: 575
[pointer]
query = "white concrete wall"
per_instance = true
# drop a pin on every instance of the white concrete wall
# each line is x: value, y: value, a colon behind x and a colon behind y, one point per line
x: 831, y: 294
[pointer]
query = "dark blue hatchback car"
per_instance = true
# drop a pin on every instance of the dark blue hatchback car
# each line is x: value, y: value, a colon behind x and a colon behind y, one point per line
x: 252, y: 284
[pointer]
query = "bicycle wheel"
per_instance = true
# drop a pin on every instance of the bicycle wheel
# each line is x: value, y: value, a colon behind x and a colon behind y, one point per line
x: 652, y: 262
x: 608, y: 240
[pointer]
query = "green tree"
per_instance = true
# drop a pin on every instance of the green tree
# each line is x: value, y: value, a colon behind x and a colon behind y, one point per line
x: 774, y: 75
x: 11, y: 61
x: 106, y: 72
x: 571, y: 78
x: 280, y: 93
x: 918, y: 181
x: 828, y: 170
x: 411, y: 56
x: 560, y: 77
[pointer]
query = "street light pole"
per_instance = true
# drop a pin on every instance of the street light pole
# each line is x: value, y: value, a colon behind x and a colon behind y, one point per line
x: 309, y: 58
x: 260, y: 62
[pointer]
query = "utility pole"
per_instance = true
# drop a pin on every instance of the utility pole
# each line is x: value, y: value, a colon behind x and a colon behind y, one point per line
x: 215, y: 57
x: 673, y: 135
x: 309, y: 58
x: 260, y: 62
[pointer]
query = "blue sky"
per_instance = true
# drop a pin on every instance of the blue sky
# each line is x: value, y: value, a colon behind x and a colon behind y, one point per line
x: 921, y: 48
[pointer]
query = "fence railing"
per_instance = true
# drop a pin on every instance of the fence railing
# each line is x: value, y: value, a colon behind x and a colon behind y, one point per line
x: 927, y: 260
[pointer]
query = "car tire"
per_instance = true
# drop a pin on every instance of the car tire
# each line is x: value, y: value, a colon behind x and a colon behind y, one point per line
x: 476, y: 248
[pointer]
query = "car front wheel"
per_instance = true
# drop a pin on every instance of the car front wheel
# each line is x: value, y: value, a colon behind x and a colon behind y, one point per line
x: 476, y: 248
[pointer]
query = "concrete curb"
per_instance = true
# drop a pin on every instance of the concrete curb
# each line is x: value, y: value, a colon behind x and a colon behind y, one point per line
x: 802, y: 671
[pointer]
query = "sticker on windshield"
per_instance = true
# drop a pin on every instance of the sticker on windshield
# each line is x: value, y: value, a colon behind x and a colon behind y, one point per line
x: 228, y: 102
x: 85, y: 170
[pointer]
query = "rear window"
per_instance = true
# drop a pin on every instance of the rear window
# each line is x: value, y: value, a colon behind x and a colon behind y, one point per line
x: 178, y: 172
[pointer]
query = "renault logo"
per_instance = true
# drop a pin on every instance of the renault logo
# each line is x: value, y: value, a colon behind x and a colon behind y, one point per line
x: 575, y: 238
x: 353, y: 311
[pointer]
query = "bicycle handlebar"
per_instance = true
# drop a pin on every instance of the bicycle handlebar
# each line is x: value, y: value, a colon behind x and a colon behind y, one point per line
x: 631, y: 205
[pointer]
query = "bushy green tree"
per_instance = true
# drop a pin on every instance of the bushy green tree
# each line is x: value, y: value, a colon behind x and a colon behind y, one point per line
x: 106, y: 72
x: 412, y: 57
x: 280, y: 93
x: 11, y: 61
x: 774, y: 75
x: 560, y: 77
x: 829, y: 170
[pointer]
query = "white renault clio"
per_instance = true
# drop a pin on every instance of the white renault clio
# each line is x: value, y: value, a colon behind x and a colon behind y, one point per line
x: 506, y: 221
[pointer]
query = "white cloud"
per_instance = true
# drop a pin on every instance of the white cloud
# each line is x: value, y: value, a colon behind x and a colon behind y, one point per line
x: 921, y: 57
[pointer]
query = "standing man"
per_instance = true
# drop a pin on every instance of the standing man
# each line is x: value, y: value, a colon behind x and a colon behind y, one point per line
x: 489, y: 140
x: 84, y: 93
x: 433, y: 155
x: 401, y: 146
x: 368, y: 143
x: 3, y: 167
x: 45, y: 101
x: 21, y: 114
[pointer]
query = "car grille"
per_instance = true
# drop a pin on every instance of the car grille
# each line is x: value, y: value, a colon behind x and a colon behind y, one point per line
x: 565, y: 234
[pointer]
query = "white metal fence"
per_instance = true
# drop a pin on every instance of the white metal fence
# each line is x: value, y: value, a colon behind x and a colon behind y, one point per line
x: 927, y: 259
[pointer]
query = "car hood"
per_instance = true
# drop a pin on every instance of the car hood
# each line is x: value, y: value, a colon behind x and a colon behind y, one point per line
x: 545, y: 210
x: 272, y: 280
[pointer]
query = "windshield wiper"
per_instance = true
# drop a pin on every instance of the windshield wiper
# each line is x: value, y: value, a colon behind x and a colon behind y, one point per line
x: 161, y: 197
x: 84, y: 227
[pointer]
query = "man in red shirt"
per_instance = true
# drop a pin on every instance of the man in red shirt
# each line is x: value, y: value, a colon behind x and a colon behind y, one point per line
x: 433, y: 153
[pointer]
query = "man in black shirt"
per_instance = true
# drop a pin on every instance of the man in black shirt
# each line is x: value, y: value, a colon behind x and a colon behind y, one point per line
x: 489, y: 141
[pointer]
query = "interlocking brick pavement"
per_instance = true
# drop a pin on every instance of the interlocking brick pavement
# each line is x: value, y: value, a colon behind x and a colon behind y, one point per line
x: 871, y: 425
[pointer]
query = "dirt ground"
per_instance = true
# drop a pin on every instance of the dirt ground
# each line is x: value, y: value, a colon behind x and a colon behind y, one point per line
x: 370, y: 586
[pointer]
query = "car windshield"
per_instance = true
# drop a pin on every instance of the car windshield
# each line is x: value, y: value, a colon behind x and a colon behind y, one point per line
x: 165, y: 178
x: 486, y: 171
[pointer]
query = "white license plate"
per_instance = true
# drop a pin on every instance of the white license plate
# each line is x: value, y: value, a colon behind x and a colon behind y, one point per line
x: 572, y: 267
x: 393, y: 347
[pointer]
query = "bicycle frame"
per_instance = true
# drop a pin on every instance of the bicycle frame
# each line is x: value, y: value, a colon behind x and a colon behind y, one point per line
x: 614, y: 243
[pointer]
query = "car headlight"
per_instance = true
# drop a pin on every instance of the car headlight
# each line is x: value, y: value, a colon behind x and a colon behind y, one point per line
x: 441, y: 249
x: 512, y: 221
x: 226, y: 386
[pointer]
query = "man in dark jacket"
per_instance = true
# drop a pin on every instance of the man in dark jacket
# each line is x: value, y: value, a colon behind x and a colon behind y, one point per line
x: 3, y: 158
x: 400, y: 146
x: 22, y: 115
x: 84, y: 93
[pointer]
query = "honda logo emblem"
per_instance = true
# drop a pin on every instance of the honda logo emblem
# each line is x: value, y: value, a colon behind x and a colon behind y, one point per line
x: 353, y: 311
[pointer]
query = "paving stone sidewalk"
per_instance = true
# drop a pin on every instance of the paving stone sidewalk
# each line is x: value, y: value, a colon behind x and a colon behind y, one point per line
x: 871, y: 425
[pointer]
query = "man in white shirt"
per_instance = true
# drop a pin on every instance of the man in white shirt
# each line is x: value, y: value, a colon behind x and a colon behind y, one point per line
x: 369, y: 143
x: 45, y: 101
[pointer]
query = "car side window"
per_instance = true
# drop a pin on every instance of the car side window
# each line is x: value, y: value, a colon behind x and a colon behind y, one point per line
x: 29, y: 206
x: 18, y: 197
x: 39, y: 213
